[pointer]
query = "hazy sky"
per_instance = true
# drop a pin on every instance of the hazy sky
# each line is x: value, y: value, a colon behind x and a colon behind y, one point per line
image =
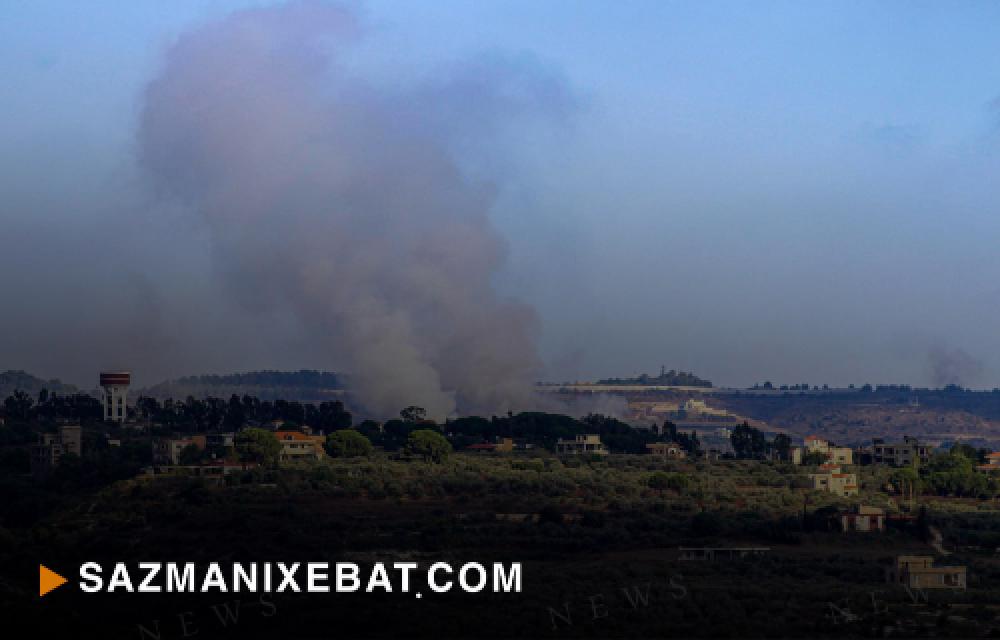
x: 800, y: 192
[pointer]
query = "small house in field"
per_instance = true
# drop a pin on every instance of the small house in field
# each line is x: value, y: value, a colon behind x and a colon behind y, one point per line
x: 666, y: 450
x: 864, y: 519
x: 919, y: 572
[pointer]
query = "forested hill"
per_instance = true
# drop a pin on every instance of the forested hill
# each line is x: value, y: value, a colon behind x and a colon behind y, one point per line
x: 11, y: 381
x: 304, y: 385
x: 666, y: 379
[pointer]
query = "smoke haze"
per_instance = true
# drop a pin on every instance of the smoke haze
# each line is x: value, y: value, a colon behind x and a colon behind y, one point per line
x: 954, y: 366
x: 389, y: 189
x: 344, y: 204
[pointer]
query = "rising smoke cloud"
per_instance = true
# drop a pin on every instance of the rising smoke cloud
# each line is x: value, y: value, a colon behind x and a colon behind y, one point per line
x: 953, y: 366
x: 343, y: 203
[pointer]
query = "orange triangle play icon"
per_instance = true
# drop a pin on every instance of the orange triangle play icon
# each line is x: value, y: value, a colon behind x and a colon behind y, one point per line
x: 48, y: 580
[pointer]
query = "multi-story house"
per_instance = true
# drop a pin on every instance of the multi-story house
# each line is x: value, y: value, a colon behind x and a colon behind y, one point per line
x: 587, y: 444
x: 296, y: 445
x: 908, y: 453
x: 831, y: 478
x: 815, y: 444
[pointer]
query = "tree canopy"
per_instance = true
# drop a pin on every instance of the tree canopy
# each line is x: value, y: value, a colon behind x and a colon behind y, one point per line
x: 347, y: 443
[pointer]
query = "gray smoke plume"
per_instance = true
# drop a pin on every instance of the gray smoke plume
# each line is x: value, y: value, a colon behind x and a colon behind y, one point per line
x: 953, y: 366
x: 343, y: 203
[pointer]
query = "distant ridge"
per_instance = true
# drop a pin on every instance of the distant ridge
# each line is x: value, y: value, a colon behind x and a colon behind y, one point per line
x: 11, y: 381
x: 305, y: 385
x: 666, y: 378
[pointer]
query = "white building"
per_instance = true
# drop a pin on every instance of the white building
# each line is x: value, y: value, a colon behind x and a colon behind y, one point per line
x: 115, y: 397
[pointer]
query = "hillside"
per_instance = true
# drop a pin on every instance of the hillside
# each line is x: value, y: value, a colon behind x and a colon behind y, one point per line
x: 930, y: 414
x: 11, y: 381
x: 304, y: 385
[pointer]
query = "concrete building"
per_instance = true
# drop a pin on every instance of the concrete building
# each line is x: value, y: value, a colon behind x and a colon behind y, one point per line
x: 219, y: 442
x: 296, y: 445
x: 815, y: 444
x: 919, y: 572
x: 667, y: 450
x: 168, y: 450
x: 905, y: 454
x: 52, y: 447
x: 589, y: 444
x: 698, y: 408
x: 863, y: 519
x: 114, y: 398
x: 831, y: 478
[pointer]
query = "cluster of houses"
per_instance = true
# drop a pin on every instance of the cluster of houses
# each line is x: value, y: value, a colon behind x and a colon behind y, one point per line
x: 215, y: 449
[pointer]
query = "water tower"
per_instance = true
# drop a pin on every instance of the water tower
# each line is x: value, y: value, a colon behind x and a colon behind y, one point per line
x: 115, y: 397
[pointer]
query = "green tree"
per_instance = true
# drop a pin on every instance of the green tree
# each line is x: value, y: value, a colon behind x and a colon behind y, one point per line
x: 257, y: 445
x: 18, y: 405
x: 748, y: 442
x: 191, y: 454
x: 782, y: 445
x: 347, y: 443
x: 428, y: 444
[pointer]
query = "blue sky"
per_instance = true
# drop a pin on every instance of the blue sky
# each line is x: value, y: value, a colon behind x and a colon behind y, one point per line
x: 788, y: 191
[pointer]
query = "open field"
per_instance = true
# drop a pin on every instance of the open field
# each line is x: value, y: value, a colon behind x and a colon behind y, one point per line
x: 583, y: 528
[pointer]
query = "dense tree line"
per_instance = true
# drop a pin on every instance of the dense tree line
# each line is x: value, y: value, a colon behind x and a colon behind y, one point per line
x: 214, y: 414
x: 750, y: 443
x: 666, y: 378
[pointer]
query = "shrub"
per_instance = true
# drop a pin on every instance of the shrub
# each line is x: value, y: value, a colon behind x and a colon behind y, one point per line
x: 429, y: 445
x: 347, y: 443
x: 258, y: 445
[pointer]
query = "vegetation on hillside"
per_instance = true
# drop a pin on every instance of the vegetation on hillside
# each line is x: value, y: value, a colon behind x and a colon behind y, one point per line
x: 666, y: 378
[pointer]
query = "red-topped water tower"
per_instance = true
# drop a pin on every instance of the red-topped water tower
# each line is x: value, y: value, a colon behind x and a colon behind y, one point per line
x: 115, y: 398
